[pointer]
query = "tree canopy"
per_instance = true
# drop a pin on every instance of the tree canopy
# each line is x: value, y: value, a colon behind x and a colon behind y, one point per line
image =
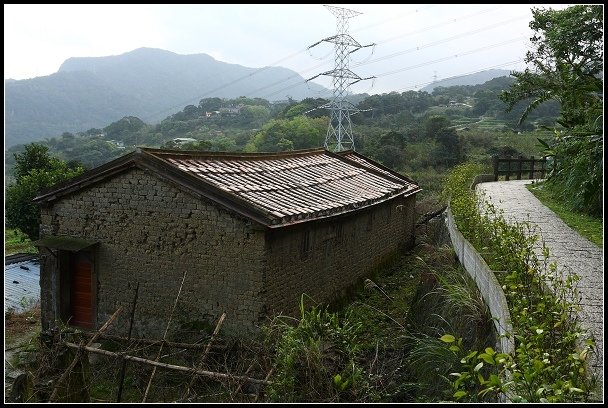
x: 35, y: 170
x: 567, y: 62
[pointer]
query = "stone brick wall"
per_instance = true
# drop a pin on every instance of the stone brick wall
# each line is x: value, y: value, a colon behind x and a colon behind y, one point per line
x: 151, y: 232
x: 325, y: 258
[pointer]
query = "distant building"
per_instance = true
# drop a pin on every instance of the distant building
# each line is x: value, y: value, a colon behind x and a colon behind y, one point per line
x: 252, y: 232
x: 232, y: 110
x: 454, y: 103
x: 117, y: 143
x: 183, y: 140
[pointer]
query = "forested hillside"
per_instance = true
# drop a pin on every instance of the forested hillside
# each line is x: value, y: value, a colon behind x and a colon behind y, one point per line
x: 417, y: 133
x: 147, y: 83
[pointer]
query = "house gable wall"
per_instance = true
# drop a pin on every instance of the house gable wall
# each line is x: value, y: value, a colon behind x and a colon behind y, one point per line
x: 150, y: 231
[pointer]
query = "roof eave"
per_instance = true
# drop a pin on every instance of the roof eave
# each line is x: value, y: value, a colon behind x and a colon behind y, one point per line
x: 406, y: 193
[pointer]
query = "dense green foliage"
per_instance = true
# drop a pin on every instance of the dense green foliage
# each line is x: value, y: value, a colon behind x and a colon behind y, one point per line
x: 568, y: 60
x: 148, y: 83
x: 35, y: 170
x: 410, y: 131
x: 16, y: 242
x: 315, y: 359
x: 551, y: 350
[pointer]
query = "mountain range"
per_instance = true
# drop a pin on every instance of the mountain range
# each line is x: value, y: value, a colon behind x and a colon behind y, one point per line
x: 147, y: 83
x: 150, y: 84
x: 471, y: 79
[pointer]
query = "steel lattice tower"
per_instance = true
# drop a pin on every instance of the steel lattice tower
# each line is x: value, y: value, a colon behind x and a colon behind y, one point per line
x: 339, y: 133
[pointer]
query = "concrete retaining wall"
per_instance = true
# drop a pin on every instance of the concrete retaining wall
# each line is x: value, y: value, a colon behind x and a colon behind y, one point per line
x: 487, y: 283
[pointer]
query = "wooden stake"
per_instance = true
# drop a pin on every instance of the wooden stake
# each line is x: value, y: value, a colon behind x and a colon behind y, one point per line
x: 163, y: 340
x: 204, y: 356
x: 67, y: 372
x: 124, y: 362
x: 246, y: 372
x: 205, y: 373
x: 257, y: 395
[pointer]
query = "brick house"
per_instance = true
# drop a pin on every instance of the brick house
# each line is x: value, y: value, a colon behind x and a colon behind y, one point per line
x: 252, y: 231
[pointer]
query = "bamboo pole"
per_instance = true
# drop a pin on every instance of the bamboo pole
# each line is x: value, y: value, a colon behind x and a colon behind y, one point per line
x: 163, y: 340
x: 67, y: 372
x: 124, y: 362
x: 205, y: 373
x: 257, y: 395
x: 218, y: 326
x: 158, y: 342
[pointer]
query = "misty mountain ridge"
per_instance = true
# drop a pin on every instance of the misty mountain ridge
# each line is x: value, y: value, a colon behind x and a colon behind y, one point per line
x: 471, y: 79
x: 149, y: 83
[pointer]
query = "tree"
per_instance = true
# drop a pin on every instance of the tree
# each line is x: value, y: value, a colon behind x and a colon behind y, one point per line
x: 434, y: 124
x: 35, y: 156
x: 449, y: 147
x: 35, y: 170
x: 567, y: 59
x: 303, y: 133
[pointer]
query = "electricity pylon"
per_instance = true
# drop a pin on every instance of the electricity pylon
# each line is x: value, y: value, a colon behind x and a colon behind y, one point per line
x: 339, y: 133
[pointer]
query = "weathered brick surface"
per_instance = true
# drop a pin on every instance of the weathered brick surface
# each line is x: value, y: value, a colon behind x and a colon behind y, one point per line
x: 150, y: 231
x: 324, y: 258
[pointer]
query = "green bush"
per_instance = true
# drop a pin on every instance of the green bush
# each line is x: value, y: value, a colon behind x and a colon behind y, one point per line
x: 315, y: 358
x: 551, y: 350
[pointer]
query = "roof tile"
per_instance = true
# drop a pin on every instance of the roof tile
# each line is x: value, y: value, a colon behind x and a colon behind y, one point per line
x: 296, y: 185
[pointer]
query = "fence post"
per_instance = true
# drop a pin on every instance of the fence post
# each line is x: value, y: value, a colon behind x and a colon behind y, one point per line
x: 495, y: 164
x: 520, y: 160
x: 508, y: 168
x: 531, y: 175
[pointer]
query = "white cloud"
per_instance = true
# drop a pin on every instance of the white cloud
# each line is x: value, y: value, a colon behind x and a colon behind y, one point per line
x: 38, y: 38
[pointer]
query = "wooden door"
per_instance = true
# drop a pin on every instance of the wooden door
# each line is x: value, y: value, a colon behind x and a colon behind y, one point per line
x: 81, y: 305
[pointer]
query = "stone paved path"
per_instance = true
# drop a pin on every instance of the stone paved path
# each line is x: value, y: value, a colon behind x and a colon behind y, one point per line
x: 572, y: 252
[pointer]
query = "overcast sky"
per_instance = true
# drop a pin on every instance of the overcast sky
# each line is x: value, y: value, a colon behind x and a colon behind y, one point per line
x: 414, y: 43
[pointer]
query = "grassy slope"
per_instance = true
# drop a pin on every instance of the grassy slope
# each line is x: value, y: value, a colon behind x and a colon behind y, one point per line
x: 15, y: 242
x: 589, y: 227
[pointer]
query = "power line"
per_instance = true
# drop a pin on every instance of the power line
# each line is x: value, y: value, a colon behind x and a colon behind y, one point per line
x: 442, y: 24
x: 423, y: 63
x: 420, y: 47
x: 339, y: 132
x: 223, y: 86
x: 395, y: 54
x: 384, y: 21
x: 487, y: 47
x: 504, y: 64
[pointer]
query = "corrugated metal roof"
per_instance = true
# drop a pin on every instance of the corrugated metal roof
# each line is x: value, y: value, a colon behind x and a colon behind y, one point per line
x: 364, y: 161
x: 293, y: 186
x: 21, y: 285
x: 272, y: 189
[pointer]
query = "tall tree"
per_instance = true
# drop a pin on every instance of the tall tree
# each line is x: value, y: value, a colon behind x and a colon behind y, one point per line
x: 567, y: 62
x: 35, y: 170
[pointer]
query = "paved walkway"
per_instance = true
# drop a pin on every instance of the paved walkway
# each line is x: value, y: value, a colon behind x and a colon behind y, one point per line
x: 572, y: 252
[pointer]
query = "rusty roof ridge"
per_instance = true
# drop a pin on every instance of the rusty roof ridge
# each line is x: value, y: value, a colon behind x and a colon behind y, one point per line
x: 182, y: 154
x: 400, y: 176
